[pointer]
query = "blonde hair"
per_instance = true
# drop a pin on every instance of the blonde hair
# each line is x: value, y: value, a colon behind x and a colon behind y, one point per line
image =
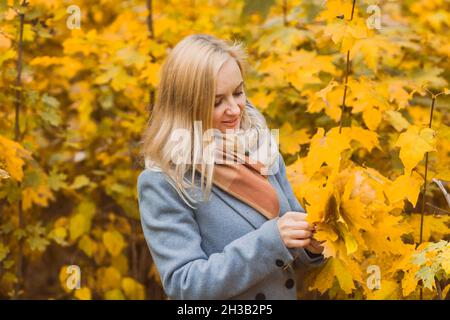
x: 186, y: 93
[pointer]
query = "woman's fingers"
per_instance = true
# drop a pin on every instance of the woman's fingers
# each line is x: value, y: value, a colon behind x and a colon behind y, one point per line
x: 295, y: 230
x: 298, y: 243
x: 303, y: 225
x: 299, y: 216
x: 301, y: 234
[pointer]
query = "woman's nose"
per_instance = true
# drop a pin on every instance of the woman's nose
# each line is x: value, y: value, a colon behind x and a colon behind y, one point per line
x: 233, y: 109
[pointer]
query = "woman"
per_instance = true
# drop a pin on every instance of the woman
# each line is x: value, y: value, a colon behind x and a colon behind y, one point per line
x: 248, y: 233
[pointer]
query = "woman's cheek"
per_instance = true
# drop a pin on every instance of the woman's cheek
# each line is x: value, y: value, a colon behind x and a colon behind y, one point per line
x: 241, y: 100
x: 218, y: 115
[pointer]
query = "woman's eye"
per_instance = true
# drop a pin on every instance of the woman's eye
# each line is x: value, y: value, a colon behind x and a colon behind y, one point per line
x: 237, y: 94
x: 217, y: 103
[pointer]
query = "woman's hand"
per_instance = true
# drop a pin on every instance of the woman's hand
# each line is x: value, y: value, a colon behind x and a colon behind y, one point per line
x: 295, y: 231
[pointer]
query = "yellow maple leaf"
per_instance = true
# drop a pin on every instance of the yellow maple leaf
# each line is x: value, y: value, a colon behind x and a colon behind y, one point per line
x: 114, y: 242
x: 334, y: 9
x: 433, y: 226
x: 346, y: 33
x: 83, y: 294
x: 291, y: 140
x: 151, y: 73
x: 368, y: 139
x: 389, y: 290
x: 334, y: 269
x: 12, y: 155
x: 405, y: 187
x: 325, y: 149
x: 328, y: 99
x: 108, y: 278
x: 396, y: 119
x: 133, y: 289
x: 414, y: 143
x: 372, y: 118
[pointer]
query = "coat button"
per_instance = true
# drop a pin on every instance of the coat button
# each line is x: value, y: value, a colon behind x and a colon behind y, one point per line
x: 260, y: 296
x: 289, y: 283
x: 279, y: 263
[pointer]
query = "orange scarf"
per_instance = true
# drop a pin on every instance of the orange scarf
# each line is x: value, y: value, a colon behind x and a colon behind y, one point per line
x: 244, y: 179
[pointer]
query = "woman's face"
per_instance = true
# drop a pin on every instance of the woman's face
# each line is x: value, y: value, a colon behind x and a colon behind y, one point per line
x: 230, y: 97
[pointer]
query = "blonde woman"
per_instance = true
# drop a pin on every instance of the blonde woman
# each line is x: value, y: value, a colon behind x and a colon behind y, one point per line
x: 218, y: 213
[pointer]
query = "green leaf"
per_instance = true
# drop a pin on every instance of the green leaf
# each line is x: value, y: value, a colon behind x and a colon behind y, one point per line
x: 261, y: 7
x: 427, y: 276
x: 3, y: 251
x: 3, y: 5
x: 57, y: 180
x: 50, y: 112
x: 80, y: 181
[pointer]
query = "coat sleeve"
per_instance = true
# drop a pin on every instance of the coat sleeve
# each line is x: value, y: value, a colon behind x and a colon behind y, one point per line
x: 306, y: 258
x: 175, y: 243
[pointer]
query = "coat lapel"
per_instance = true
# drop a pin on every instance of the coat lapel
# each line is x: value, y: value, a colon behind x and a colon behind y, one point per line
x: 253, y: 217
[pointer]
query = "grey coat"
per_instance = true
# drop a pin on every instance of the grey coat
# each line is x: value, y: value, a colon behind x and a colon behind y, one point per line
x: 223, y: 249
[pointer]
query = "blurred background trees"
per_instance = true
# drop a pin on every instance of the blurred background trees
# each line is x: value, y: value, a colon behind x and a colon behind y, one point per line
x: 350, y: 84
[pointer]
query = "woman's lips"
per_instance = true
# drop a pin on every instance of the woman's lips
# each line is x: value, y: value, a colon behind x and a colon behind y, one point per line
x: 231, y: 123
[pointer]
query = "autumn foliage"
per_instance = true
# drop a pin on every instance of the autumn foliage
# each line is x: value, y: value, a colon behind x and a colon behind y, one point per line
x: 359, y: 90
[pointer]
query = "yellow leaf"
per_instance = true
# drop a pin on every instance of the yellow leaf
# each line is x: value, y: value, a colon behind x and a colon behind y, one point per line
x: 79, y: 224
x: 372, y: 118
x: 332, y: 269
x: 3, y: 251
x: 325, y: 149
x: 405, y: 187
x: 433, y: 226
x: 368, y: 139
x: 120, y: 262
x: 80, y: 181
x: 39, y: 195
x: 87, y: 245
x: 347, y: 32
x: 290, y: 139
x: 58, y: 234
x: 262, y: 100
x: 389, y: 290
x: 328, y: 99
x: 396, y: 119
x: 83, y: 294
x: 108, y: 278
x: 350, y: 242
x: 133, y: 289
x: 114, y: 242
x: 151, y: 73
x: 12, y: 155
x: 336, y: 8
x: 414, y: 143
x: 115, y: 294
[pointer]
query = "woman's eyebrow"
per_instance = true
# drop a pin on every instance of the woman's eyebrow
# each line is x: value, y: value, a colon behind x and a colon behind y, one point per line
x: 220, y: 95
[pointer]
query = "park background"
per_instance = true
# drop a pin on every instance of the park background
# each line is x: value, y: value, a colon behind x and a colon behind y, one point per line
x: 358, y: 89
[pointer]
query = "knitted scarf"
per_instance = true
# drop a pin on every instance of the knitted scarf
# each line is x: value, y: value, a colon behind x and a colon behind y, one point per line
x: 242, y: 164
